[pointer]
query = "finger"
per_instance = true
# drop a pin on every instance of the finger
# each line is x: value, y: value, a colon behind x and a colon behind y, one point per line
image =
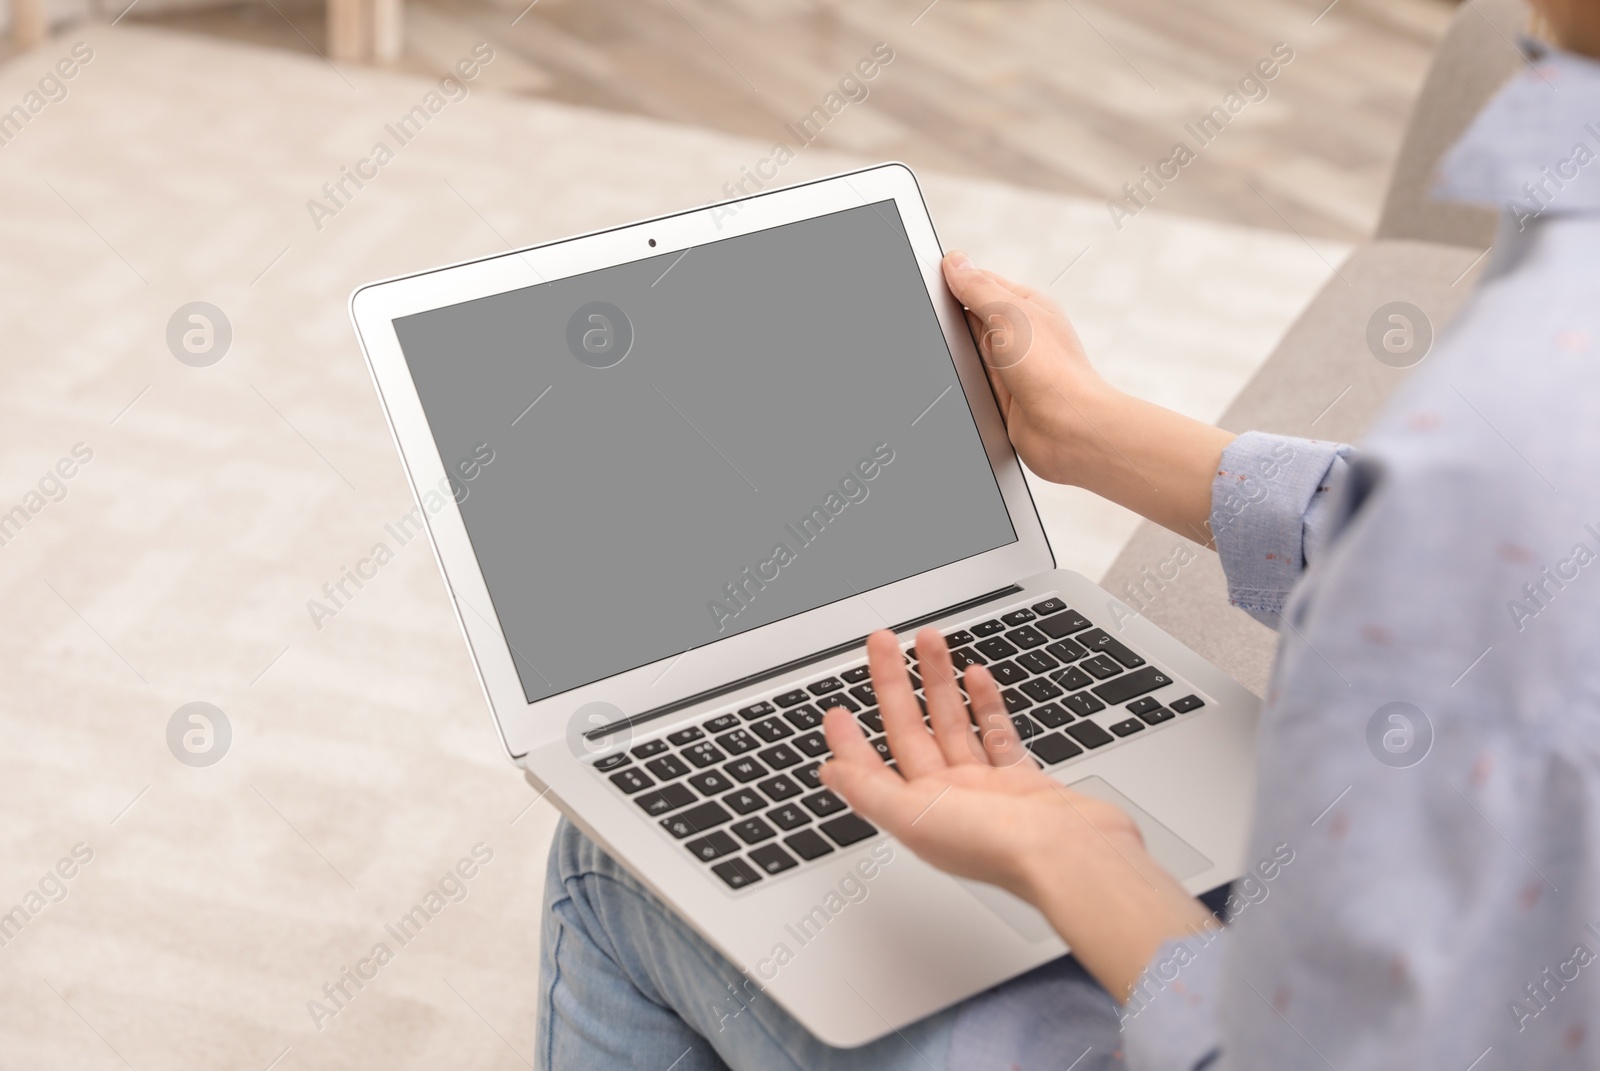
x: 846, y: 740
x: 909, y: 741
x: 972, y: 286
x: 1001, y: 744
x: 1012, y: 328
x: 1022, y: 290
x: 997, y: 382
x: 888, y: 801
x: 947, y: 708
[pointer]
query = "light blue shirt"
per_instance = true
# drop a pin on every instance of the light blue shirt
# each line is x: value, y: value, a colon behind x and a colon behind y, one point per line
x: 1426, y: 890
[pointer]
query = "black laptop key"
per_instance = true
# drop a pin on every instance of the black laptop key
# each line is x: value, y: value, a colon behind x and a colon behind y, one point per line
x: 611, y: 762
x: 1017, y: 617
x: 916, y: 681
x: 1015, y: 700
x: 722, y: 723
x: 1036, y: 662
x: 1142, y: 706
x: 757, y: 710
x: 1051, y: 715
x: 685, y: 736
x: 701, y: 819
x: 856, y: 674
x: 1156, y: 716
x: 803, y: 718
x: 824, y: 686
x: 824, y: 803
x: 1048, y: 607
x: 1100, y: 667
x: 780, y: 788
x: 866, y: 694
x: 1008, y: 672
x: 772, y: 859
x: 1040, y: 690
x: 1067, y: 650
x: 1186, y: 704
x: 958, y: 638
x: 779, y: 757
x: 1026, y: 726
x: 1101, y: 641
x: 792, y: 699
x: 965, y: 657
x: 738, y: 742
x: 1072, y: 678
x: 753, y: 831
x: 650, y: 748
x: 745, y: 800
x: 1064, y: 623
x: 665, y: 799
x: 1127, y: 726
x: 631, y: 781
x: 1054, y: 748
x: 771, y: 730
x: 881, y: 746
x: 838, y: 699
x: 1027, y: 637
x: 1132, y: 684
x: 744, y: 770
x: 812, y: 745
x: 871, y: 720
x: 807, y: 775
x: 995, y: 647
x: 847, y: 829
x: 1088, y: 734
x: 788, y: 816
x: 667, y: 767
x: 1083, y: 704
x: 808, y: 844
x: 736, y: 872
x: 987, y: 628
x: 703, y: 754
x: 709, y: 783
x: 712, y: 846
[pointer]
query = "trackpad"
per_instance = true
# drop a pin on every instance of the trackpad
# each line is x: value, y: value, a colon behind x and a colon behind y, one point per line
x: 1171, y: 851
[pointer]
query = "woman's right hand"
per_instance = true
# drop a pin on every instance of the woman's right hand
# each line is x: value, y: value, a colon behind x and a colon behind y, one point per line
x: 1068, y: 424
x: 1046, y: 387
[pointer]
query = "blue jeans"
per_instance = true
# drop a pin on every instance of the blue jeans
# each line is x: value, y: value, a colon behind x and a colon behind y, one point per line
x: 625, y: 984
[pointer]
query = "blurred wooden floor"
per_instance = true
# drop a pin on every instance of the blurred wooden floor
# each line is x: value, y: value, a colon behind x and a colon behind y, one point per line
x: 1071, y: 96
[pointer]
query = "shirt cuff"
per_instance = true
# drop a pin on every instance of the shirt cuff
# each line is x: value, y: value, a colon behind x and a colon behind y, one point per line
x: 1270, y: 514
x: 1170, y: 1022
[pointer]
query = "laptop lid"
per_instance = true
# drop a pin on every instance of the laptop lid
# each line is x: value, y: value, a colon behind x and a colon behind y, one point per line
x: 658, y: 458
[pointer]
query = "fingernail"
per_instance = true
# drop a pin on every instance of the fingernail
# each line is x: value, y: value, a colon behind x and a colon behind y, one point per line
x: 959, y: 260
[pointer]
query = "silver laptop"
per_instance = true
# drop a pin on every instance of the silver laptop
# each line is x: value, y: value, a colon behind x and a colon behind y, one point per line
x: 674, y: 473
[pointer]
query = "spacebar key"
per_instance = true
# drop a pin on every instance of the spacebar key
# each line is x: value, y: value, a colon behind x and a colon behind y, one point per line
x: 1123, y: 688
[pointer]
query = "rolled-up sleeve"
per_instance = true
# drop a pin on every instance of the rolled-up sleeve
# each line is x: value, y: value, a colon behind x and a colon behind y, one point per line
x: 1271, y: 512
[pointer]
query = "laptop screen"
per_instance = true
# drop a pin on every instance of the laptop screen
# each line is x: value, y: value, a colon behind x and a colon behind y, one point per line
x: 658, y: 455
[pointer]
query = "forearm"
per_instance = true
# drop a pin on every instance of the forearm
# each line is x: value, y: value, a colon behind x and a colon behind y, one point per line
x: 1154, y: 461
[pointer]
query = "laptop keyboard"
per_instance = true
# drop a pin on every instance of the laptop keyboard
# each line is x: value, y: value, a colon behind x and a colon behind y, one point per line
x: 739, y: 790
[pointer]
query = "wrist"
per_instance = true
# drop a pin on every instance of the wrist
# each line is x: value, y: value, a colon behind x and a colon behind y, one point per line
x: 1110, y: 901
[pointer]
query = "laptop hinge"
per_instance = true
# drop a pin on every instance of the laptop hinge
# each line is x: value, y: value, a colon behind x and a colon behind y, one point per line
x: 790, y: 667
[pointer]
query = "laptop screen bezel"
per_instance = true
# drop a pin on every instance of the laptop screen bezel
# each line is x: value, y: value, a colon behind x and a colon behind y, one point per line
x: 525, y: 726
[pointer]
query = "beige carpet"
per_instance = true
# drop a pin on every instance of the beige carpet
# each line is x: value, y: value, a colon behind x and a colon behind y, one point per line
x: 218, y: 500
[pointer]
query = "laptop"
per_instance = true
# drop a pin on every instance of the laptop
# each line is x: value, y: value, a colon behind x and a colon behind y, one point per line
x: 674, y: 473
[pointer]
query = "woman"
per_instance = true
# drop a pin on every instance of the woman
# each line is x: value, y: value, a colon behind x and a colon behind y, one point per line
x: 1442, y: 913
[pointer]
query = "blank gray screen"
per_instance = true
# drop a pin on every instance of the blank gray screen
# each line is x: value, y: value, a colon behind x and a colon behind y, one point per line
x: 715, y: 478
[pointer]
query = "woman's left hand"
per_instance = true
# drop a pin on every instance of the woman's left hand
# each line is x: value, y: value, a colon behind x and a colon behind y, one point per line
x: 975, y: 803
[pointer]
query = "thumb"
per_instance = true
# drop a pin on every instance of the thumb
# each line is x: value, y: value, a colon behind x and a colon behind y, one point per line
x: 973, y: 288
x: 1002, y: 320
